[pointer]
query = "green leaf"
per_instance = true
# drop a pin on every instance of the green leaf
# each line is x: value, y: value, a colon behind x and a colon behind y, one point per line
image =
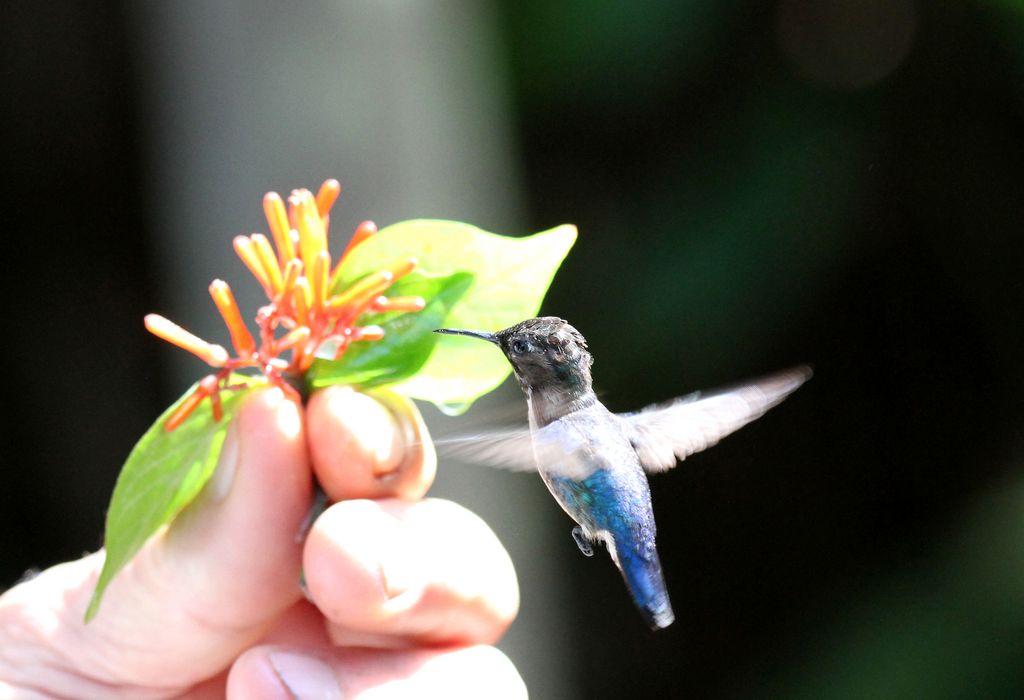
x: 511, y: 277
x: 164, y: 473
x: 409, y: 338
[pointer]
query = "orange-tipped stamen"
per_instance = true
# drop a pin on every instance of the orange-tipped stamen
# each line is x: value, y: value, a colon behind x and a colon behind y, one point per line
x: 403, y: 267
x: 401, y: 304
x: 292, y: 338
x: 299, y: 358
x: 185, y: 409
x: 277, y: 219
x: 210, y: 387
x: 362, y: 232
x: 305, y: 354
x: 364, y: 290
x: 291, y: 273
x: 327, y: 195
x: 268, y: 260
x: 247, y: 252
x: 318, y: 281
x: 213, y: 355
x: 357, y: 303
x: 312, y: 236
x: 293, y: 203
x: 367, y: 333
x: 241, y: 338
x: 302, y: 299
x: 278, y: 364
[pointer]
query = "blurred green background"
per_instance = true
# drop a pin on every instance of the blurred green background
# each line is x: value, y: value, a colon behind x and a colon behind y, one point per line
x: 756, y: 184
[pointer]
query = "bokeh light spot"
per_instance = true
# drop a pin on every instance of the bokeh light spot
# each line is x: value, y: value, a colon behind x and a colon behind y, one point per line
x: 846, y: 44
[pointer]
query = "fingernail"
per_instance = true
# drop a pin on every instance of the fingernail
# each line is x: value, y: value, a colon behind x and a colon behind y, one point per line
x: 390, y: 448
x: 374, y: 433
x: 305, y: 677
x: 289, y: 416
x: 405, y: 439
x: 227, y: 466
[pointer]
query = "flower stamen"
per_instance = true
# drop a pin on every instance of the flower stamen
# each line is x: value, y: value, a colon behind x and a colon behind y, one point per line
x: 296, y: 336
x: 268, y: 260
x: 399, y: 304
x: 277, y: 219
x: 362, y: 232
x: 365, y: 289
x: 241, y: 338
x: 403, y: 267
x: 327, y: 195
x: 213, y: 355
x: 318, y: 281
x: 185, y: 409
x: 247, y: 252
x: 302, y: 297
x: 209, y: 385
x: 312, y: 236
x: 367, y: 333
x: 291, y: 273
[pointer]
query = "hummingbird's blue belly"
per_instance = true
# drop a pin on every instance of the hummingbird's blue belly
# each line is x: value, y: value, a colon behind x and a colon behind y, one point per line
x: 597, y: 503
x: 616, y: 509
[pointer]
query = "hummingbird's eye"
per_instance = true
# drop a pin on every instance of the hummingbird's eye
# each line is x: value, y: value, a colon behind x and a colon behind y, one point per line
x: 520, y: 346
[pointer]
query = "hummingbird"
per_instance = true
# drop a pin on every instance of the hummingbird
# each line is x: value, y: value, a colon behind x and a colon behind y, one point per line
x: 595, y: 462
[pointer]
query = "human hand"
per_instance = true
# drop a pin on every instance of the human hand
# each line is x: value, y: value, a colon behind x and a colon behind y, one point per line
x: 406, y: 594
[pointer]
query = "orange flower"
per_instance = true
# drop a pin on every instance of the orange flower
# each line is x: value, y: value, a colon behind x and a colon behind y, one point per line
x: 302, y: 317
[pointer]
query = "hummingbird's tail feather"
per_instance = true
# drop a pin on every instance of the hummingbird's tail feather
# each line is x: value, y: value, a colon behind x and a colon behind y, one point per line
x: 641, y: 569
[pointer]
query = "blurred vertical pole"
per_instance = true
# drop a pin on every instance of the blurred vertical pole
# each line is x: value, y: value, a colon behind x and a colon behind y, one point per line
x: 402, y: 102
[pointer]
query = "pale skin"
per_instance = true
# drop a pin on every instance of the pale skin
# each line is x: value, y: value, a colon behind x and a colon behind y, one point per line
x: 407, y: 594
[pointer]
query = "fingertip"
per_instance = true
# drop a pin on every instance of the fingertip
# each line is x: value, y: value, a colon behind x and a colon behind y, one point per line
x: 342, y: 560
x: 285, y: 673
x: 262, y: 477
x: 267, y: 424
x: 389, y: 573
x: 281, y: 673
x: 369, y: 445
x: 271, y: 410
x: 478, y: 671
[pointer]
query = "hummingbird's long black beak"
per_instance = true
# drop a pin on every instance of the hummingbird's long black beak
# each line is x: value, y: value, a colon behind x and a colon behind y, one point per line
x: 490, y: 337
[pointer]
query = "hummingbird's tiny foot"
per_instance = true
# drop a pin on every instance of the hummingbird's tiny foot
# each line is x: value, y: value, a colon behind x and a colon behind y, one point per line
x: 582, y: 542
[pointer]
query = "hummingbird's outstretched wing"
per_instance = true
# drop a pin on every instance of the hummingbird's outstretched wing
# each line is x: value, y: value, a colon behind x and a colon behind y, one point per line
x: 565, y: 446
x: 508, y: 449
x: 663, y: 435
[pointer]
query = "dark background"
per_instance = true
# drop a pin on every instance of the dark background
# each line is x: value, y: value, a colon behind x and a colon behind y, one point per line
x: 756, y: 184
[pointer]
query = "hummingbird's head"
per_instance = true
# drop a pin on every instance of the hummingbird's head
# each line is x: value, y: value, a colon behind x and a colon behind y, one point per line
x: 546, y: 353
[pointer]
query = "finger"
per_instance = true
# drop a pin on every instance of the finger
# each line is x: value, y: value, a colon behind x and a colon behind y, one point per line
x: 369, y: 446
x: 289, y: 673
x: 393, y: 573
x: 198, y: 594
x: 237, y: 545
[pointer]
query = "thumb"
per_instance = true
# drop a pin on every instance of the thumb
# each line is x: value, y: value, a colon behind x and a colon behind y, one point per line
x: 200, y: 591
